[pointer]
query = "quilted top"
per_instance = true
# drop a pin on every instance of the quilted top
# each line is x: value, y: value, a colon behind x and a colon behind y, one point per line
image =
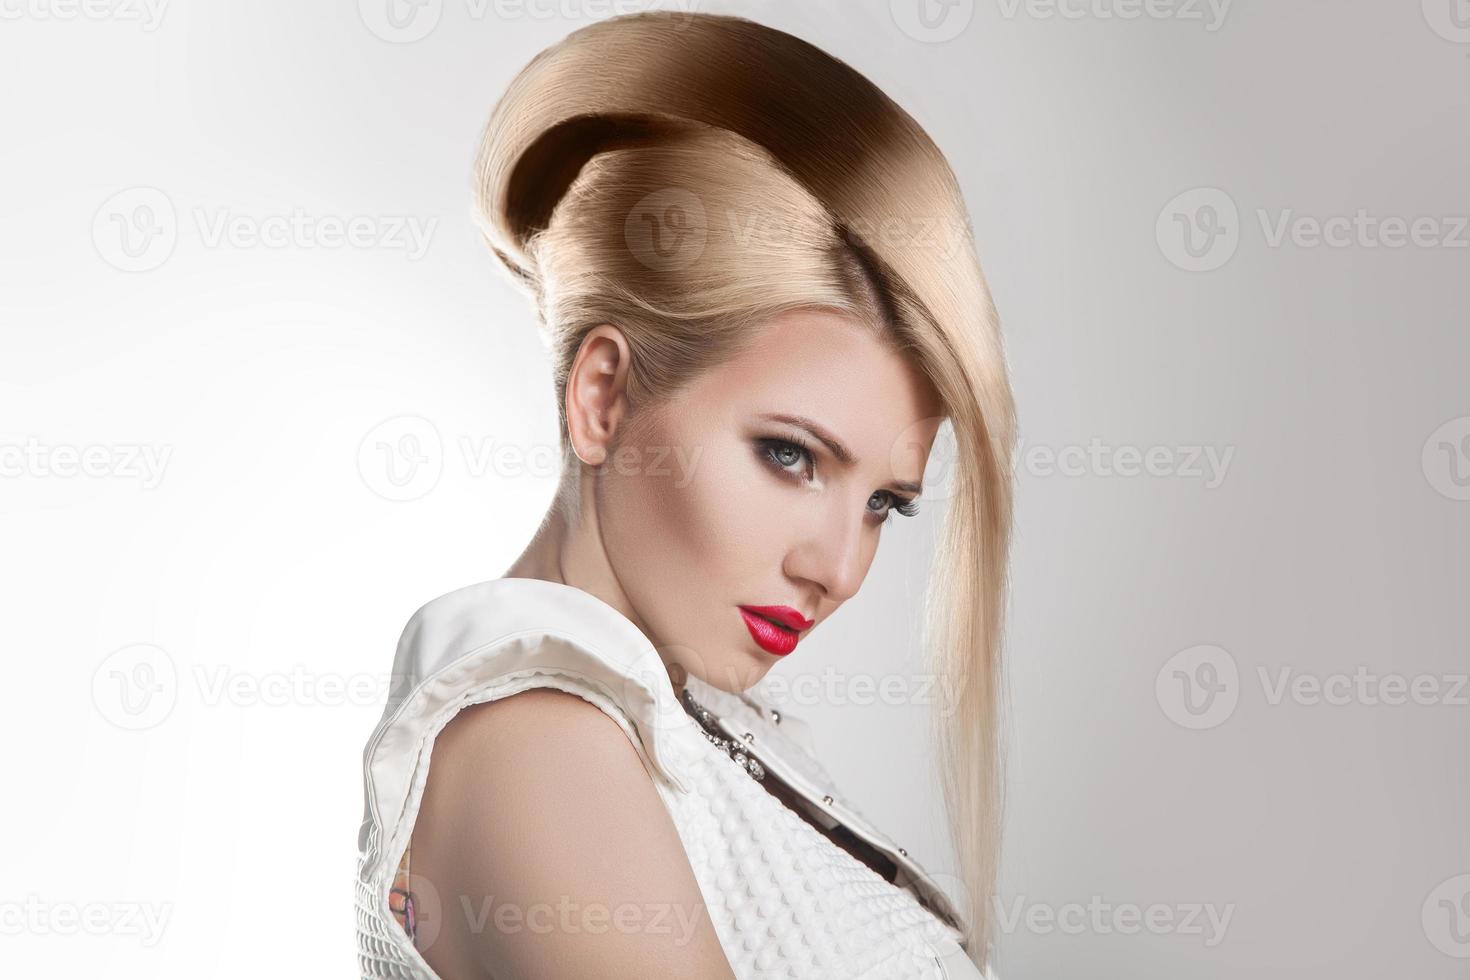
x: 784, y: 900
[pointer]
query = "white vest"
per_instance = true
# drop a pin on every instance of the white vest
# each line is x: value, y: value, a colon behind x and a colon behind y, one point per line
x: 784, y: 900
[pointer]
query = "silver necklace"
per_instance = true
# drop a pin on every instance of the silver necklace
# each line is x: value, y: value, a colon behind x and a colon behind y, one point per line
x: 729, y: 746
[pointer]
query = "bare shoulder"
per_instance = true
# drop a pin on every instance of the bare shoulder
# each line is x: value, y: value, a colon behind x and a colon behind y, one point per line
x: 547, y: 851
x: 542, y: 722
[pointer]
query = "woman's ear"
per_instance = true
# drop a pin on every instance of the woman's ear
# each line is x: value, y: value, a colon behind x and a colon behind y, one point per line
x: 597, y: 392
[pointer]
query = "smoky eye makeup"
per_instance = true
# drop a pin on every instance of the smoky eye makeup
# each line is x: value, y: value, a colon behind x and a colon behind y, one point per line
x: 898, y: 504
x: 792, y: 458
x: 789, y: 455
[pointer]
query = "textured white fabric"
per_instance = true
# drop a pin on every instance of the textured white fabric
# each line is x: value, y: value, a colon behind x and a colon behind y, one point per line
x: 785, y: 901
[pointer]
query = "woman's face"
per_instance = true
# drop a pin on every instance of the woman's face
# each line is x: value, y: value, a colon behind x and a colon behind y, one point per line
x: 765, y: 482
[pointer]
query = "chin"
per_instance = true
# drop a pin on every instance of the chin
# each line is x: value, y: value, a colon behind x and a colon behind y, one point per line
x: 741, y: 671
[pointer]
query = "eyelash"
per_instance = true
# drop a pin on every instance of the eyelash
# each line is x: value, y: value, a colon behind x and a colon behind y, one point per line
x: 907, y: 506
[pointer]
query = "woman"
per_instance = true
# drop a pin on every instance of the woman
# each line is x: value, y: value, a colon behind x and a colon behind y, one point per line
x: 756, y: 276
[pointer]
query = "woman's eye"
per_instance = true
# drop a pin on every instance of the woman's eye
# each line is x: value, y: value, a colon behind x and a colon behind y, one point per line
x: 785, y: 456
x: 889, y: 502
x: 794, y: 461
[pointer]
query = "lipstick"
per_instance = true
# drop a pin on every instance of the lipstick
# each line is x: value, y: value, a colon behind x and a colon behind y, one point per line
x: 775, y: 629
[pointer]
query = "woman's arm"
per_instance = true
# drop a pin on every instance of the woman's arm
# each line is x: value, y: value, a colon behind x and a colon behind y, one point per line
x: 547, y: 852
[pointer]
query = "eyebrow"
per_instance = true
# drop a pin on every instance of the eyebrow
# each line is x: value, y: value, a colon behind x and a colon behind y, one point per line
x: 834, y: 445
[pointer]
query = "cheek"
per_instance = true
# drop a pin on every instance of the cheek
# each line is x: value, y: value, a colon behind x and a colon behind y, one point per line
x: 702, y: 513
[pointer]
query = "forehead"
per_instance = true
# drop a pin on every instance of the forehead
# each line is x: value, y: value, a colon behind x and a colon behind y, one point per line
x: 831, y: 368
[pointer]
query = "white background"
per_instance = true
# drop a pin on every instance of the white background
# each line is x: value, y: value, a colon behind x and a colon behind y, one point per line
x: 263, y: 549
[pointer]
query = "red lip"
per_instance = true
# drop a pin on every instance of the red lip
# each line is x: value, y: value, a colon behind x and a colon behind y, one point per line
x: 769, y: 636
x: 785, y: 615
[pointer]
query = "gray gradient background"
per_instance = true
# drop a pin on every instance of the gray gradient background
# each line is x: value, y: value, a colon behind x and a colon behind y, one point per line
x: 1334, y: 377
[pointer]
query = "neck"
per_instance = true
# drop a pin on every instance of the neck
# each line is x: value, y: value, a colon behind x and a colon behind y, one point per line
x: 568, y: 546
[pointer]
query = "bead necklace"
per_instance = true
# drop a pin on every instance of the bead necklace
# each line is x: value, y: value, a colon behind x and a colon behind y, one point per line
x: 729, y: 746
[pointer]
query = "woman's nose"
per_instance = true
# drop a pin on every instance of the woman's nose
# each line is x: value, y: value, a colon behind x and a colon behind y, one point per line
x: 832, y: 552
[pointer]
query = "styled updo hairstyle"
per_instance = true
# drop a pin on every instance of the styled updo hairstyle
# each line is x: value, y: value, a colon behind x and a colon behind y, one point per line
x: 687, y: 176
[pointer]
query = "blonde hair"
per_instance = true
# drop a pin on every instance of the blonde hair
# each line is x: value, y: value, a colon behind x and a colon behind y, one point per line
x: 687, y: 176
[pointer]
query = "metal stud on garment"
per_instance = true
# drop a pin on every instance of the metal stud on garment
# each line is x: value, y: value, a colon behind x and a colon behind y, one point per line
x: 727, y: 745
